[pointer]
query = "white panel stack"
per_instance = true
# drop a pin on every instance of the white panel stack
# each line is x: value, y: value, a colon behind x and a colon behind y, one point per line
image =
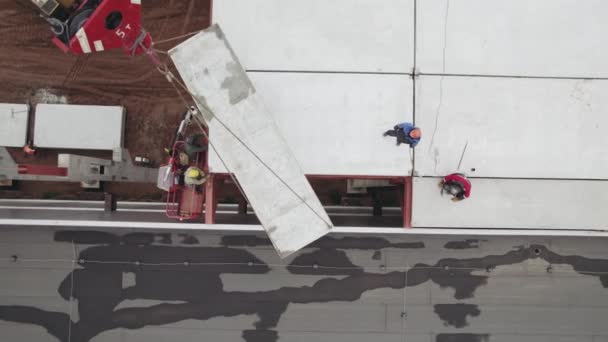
x: 516, y: 38
x: 79, y: 127
x: 515, y: 128
x: 514, y: 204
x: 13, y: 124
x: 333, y: 123
x: 247, y: 139
x: 320, y: 35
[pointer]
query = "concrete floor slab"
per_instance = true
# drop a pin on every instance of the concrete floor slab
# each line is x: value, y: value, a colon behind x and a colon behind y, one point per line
x: 515, y: 128
x: 317, y: 35
x: 515, y: 38
x: 333, y: 123
x: 514, y: 204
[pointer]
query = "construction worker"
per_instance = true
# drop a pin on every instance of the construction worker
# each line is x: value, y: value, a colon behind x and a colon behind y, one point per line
x: 406, y: 133
x: 195, y: 177
x: 457, y: 185
x: 184, y: 160
x: 193, y: 145
x: 29, y: 149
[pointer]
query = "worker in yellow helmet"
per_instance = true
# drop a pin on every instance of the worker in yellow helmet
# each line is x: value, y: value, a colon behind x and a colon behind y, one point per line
x: 195, y: 177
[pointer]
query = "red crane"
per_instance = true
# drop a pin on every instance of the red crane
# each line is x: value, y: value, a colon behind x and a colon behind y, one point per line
x: 88, y: 26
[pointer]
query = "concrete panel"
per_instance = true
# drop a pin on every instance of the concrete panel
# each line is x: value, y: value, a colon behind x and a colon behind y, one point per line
x: 13, y: 124
x: 79, y: 127
x: 15, y: 235
x: 515, y: 128
x: 341, y: 337
x: 517, y: 38
x: 480, y: 337
x: 50, y: 304
x: 36, y: 255
x: 305, y: 35
x: 26, y: 282
x: 402, y: 258
x: 324, y: 317
x: 514, y: 203
x: 23, y: 332
x: 505, y: 319
x: 248, y: 140
x: 538, y: 290
x: 333, y: 123
x: 184, y: 335
x: 166, y: 334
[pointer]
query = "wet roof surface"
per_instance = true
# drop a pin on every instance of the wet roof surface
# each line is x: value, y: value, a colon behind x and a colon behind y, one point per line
x: 154, y: 287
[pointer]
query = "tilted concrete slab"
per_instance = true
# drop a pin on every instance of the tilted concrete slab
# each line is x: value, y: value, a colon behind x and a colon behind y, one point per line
x: 516, y: 128
x: 514, y: 204
x: 79, y: 127
x: 248, y: 140
x: 516, y: 38
x: 333, y: 123
x: 13, y: 124
x: 318, y: 35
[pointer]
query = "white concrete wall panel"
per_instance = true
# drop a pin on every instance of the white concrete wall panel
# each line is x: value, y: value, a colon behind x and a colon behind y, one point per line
x: 320, y: 35
x: 333, y: 123
x: 516, y: 128
x: 13, y: 124
x: 513, y: 203
x: 247, y: 139
x: 515, y: 320
x: 79, y: 127
x: 516, y: 38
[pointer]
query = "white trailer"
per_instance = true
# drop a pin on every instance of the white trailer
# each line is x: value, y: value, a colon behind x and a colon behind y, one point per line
x: 79, y: 127
x: 13, y: 124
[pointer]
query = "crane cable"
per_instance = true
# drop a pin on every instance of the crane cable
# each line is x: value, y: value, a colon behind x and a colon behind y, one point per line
x: 164, y: 70
x: 200, y: 105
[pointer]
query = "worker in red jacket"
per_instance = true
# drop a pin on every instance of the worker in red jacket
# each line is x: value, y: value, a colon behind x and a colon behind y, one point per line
x: 457, y: 185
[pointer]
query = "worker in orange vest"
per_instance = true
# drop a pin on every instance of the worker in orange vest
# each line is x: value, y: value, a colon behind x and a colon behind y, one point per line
x: 29, y: 149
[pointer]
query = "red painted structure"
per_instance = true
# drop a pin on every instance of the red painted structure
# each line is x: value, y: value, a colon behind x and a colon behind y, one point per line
x: 113, y: 24
x: 184, y: 202
x: 41, y: 170
x: 404, y: 184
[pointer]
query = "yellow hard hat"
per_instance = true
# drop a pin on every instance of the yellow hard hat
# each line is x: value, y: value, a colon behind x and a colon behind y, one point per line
x: 193, y: 173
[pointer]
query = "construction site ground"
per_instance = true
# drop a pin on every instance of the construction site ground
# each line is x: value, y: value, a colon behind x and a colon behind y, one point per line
x: 33, y: 70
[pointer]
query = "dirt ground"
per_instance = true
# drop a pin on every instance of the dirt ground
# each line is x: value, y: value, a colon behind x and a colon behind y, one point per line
x: 33, y: 70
